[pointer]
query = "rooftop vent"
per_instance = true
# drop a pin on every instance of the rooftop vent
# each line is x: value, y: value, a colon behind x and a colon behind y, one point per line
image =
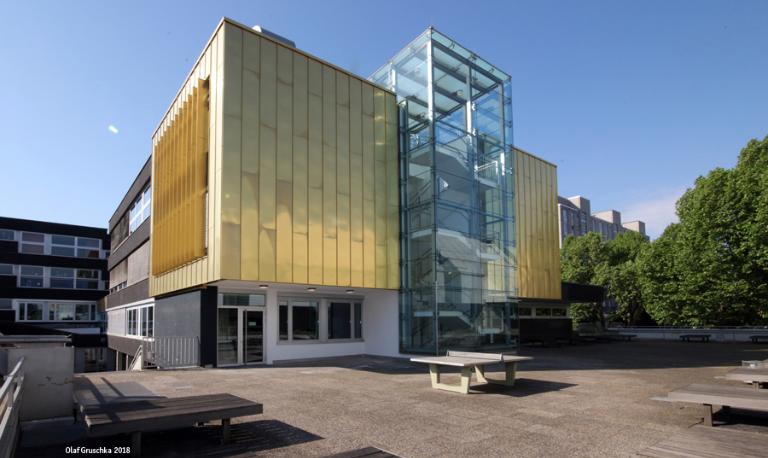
x: 274, y: 36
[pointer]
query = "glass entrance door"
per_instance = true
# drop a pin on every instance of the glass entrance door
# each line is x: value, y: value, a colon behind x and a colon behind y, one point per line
x: 253, y: 332
x: 240, y: 335
x: 228, y: 336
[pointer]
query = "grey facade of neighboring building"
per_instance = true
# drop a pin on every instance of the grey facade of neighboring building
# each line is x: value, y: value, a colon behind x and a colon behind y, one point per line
x: 576, y: 218
x: 129, y: 229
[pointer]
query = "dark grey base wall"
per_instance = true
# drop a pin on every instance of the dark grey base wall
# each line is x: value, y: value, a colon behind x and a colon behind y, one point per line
x: 123, y: 344
x: 546, y: 330
x: 190, y: 314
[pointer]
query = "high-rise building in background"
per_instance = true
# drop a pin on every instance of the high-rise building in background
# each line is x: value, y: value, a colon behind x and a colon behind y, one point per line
x: 577, y: 219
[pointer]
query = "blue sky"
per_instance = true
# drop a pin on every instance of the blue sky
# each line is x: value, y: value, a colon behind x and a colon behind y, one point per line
x: 632, y: 100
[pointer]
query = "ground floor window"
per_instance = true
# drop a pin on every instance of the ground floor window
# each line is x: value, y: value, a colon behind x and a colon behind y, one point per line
x: 299, y: 320
x: 141, y: 321
x: 319, y: 320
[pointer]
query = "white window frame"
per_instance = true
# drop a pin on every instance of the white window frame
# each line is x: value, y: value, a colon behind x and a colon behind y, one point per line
x: 323, y: 319
x: 44, y: 277
x: 142, y: 207
x: 23, y: 242
x: 353, y: 318
x: 47, y: 270
x: 142, y: 313
x: 13, y: 235
x: 289, y: 304
x: 14, y: 270
x: 48, y: 306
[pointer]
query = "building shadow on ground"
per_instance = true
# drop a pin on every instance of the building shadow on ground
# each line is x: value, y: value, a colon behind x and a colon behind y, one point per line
x: 247, y: 437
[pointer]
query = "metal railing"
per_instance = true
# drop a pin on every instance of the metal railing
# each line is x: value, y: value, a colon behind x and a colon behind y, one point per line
x: 718, y: 333
x: 171, y: 352
x: 10, y: 407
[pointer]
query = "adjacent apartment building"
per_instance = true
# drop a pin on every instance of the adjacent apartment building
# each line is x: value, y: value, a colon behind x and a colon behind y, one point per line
x: 300, y: 211
x: 52, y: 277
x: 576, y: 219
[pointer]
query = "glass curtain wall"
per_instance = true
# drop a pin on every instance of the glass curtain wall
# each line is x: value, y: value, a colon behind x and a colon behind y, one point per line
x: 457, y: 203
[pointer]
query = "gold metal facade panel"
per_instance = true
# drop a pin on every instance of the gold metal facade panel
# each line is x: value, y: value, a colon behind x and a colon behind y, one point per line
x: 538, y: 243
x: 231, y: 152
x: 369, y: 210
x: 343, y: 236
x: 356, y: 182
x: 180, y: 182
x: 180, y: 185
x: 249, y: 195
x: 316, y: 174
x: 300, y: 170
x: 267, y: 161
x: 284, y: 166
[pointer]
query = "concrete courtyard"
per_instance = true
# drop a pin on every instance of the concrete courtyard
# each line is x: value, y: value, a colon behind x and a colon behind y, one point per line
x: 583, y: 400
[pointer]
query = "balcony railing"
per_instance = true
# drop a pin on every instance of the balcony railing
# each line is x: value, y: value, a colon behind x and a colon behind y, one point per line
x: 10, y: 405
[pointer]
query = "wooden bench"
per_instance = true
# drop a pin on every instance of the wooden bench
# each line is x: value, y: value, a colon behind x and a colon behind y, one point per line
x: 136, y: 417
x: 757, y: 376
x: 468, y: 361
x: 706, y: 442
x: 695, y: 337
x: 759, y: 338
x: 719, y: 395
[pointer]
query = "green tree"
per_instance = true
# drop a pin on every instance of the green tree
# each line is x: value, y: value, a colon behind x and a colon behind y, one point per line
x: 712, y: 267
x: 620, y: 275
x: 580, y: 259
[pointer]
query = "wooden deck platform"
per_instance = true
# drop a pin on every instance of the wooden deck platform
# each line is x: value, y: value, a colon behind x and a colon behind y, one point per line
x: 703, y: 442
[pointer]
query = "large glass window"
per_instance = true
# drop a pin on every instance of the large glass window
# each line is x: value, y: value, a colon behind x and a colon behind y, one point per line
x: 132, y: 321
x: 62, y: 277
x: 30, y: 311
x: 87, y: 279
x: 305, y: 320
x: 31, y: 276
x: 237, y: 299
x: 6, y: 269
x: 32, y: 243
x: 339, y: 320
x: 7, y: 234
x: 61, y: 312
x: 141, y: 321
x: 299, y: 320
x: 83, y: 312
x: 88, y: 248
x: 140, y: 210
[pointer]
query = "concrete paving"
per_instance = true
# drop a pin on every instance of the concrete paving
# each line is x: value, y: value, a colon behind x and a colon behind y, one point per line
x: 586, y: 400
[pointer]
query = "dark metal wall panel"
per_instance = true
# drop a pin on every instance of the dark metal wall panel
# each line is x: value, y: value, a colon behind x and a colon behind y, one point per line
x: 208, y: 330
x: 133, y: 293
x: 545, y: 330
x: 123, y: 344
x: 178, y: 315
x: 50, y: 293
x: 55, y: 228
x: 130, y: 244
x: 139, y: 183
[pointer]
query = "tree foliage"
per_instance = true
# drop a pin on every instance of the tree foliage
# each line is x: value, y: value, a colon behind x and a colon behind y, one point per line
x: 711, y: 268
x: 581, y: 257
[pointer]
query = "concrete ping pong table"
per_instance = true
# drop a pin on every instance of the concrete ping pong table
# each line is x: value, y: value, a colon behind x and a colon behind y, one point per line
x: 468, y: 361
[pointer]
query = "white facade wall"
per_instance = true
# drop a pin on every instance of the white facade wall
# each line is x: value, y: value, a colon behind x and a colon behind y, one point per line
x: 380, y: 329
x: 116, y: 322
